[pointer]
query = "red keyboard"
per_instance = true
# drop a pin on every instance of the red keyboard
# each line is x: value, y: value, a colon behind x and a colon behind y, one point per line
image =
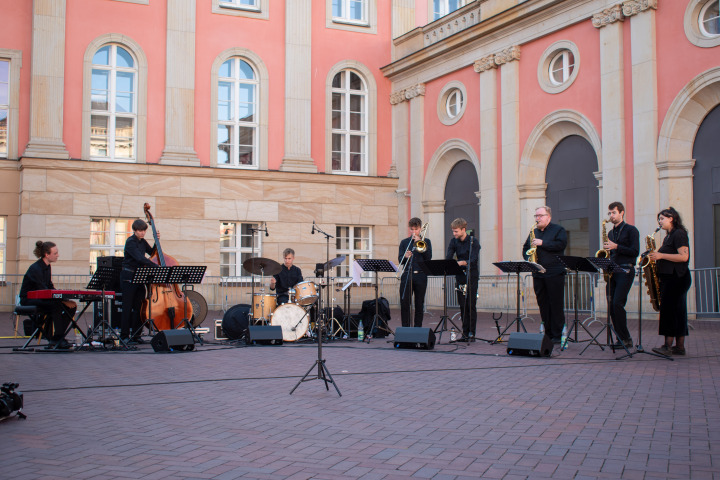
x: 82, y: 295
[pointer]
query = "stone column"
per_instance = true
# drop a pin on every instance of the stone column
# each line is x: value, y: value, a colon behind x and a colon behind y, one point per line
x: 47, y: 83
x: 180, y: 85
x: 416, y: 97
x: 488, y: 233
x: 399, y: 167
x: 645, y: 110
x: 434, y: 213
x: 612, y: 104
x: 298, y: 91
x: 531, y: 197
x: 510, y: 137
x: 403, y: 17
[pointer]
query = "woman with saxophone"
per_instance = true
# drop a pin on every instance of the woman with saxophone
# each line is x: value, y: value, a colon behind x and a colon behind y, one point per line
x: 413, y: 251
x: 672, y: 266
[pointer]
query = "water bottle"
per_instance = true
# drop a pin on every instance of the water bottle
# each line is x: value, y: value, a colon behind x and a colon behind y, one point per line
x: 453, y: 334
x: 78, y: 338
x: 563, y: 338
x: 542, y: 327
x: 361, y: 332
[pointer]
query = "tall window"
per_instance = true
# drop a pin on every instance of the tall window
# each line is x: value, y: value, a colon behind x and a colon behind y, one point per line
x: 237, y: 114
x: 113, y: 121
x: 443, y: 7
x: 349, y: 123
x: 4, y: 106
x: 107, y: 238
x: 236, y: 247
x: 561, y: 67
x: 3, y: 243
x: 354, y: 11
x: 710, y: 18
x: 245, y: 4
x: 354, y: 243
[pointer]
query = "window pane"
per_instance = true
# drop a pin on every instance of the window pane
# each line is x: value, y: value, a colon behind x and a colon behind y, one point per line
x: 125, y: 89
x: 711, y: 19
x: 337, y: 80
x: 245, y: 155
x: 247, y: 135
x: 124, y: 59
x: 226, y: 69
x: 227, y: 234
x: 98, y: 136
x: 341, y: 237
x: 102, y: 56
x: 4, y: 81
x: 224, y: 144
x: 3, y: 133
x: 124, y: 147
x: 246, y: 103
x: 224, y: 101
x: 356, y: 9
x: 337, y: 8
x: 246, y: 71
x: 100, y: 86
x: 337, y: 117
x: 356, y: 109
x: 355, y: 82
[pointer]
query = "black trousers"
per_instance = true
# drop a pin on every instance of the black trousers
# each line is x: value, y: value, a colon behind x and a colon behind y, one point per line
x: 468, y: 306
x: 132, y: 298
x: 673, y: 304
x: 550, y: 294
x: 54, y: 310
x: 619, y: 287
x: 418, y: 287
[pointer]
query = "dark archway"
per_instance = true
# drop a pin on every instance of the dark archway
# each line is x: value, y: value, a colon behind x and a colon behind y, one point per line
x: 460, y: 199
x: 572, y: 193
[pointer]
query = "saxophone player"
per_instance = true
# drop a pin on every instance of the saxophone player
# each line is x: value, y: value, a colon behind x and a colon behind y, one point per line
x: 623, y: 243
x: 550, y: 241
x: 413, y: 279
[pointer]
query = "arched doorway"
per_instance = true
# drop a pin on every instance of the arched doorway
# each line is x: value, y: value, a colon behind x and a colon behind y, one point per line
x: 460, y: 199
x: 572, y: 193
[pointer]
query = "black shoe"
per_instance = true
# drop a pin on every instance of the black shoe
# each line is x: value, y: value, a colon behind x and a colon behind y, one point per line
x: 128, y: 341
x: 137, y: 340
x: 63, y: 345
x: 677, y: 350
x: 664, y: 350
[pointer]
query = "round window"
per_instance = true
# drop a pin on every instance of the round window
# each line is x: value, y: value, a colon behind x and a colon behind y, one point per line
x: 709, y: 19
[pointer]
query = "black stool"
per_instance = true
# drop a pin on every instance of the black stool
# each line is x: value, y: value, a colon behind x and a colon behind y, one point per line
x: 36, y: 320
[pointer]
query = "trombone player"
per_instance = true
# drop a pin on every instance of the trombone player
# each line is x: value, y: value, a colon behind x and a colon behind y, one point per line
x: 413, y: 251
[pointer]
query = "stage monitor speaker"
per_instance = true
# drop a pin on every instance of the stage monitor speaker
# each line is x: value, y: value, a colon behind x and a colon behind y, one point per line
x: 179, y: 340
x: 264, y: 335
x: 529, y: 344
x: 414, y: 337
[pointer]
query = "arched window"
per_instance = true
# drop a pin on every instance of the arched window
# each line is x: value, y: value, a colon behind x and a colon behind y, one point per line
x: 349, y: 123
x: 237, y: 114
x: 113, y: 104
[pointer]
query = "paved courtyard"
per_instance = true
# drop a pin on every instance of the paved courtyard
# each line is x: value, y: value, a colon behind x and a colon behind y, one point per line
x: 457, y: 412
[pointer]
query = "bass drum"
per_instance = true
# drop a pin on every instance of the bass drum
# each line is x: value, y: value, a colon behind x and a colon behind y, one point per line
x: 199, y: 307
x: 292, y: 319
x: 236, y: 321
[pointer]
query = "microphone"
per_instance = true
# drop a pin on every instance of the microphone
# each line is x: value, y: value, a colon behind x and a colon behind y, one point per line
x: 266, y: 232
x: 471, y: 232
x: 313, y: 229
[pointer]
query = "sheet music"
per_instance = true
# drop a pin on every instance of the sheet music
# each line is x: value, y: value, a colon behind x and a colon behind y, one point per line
x: 356, y: 276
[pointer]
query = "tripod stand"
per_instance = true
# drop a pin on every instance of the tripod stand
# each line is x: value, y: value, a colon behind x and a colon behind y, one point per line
x: 442, y: 268
x: 102, y: 279
x: 188, y: 275
x: 576, y: 265
x: 377, y: 266
x: 148, y: 276
x: 516, y: 268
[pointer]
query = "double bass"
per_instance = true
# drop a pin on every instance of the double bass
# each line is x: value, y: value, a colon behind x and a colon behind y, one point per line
x: 166, y: 301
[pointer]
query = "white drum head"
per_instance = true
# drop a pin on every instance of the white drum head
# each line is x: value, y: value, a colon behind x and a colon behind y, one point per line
x: 292, y: 319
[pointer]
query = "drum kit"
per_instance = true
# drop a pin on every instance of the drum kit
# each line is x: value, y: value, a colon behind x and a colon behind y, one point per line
x: 292, y: 317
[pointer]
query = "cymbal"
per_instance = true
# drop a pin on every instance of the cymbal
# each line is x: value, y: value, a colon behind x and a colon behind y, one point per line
x: 334, y: 262
x: 261, y: 266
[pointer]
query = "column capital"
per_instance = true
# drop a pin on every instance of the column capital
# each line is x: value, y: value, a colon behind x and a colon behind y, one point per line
x: 409, y: 93
x: 608, y: 16
x: 676, y: 168
x: 532, y: 191
x: 508, y: 55
x: 633, y: 7
x: 434, y: 206
x: 485, y: 64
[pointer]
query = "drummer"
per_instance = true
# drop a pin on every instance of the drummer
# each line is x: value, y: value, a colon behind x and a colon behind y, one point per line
x: 289, y: 276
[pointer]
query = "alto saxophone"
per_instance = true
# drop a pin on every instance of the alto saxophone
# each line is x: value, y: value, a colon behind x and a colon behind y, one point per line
x: 532, y: 251
x: 649, y: 269
x: 602, y: 253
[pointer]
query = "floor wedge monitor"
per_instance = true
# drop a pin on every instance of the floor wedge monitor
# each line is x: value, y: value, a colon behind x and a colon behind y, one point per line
x: 414, y: 337
x: 529, y: 344
x: 265, y: 335
x: 179, y: 340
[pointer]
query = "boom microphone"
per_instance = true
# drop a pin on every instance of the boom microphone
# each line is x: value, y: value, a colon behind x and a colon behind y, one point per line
x: 266, y: 232
x: 313, y: 230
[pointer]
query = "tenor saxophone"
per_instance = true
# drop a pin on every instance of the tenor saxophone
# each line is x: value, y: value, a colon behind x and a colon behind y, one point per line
x: 602, y: 253
x: 649, y: 269
x: 532, y: 251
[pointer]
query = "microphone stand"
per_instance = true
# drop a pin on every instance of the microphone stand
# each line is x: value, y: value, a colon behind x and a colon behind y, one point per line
x: 253, y: 231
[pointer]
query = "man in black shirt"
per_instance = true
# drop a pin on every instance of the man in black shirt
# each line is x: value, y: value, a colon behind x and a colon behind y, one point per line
x: 550, y: 241
x: 136, y: 247
x: 39, y: 277
x: 466, y: 249
x: 289, y: 276
x: 414, y: 279
x: 624, y: 247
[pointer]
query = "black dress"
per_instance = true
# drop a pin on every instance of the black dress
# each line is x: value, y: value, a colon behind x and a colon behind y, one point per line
x: 675, y: 280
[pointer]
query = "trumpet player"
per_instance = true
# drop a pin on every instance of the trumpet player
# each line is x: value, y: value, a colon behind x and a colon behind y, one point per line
x: 623, y: 244
x: 413, y: 279
x: 550, y: 241
x: 466, y: 249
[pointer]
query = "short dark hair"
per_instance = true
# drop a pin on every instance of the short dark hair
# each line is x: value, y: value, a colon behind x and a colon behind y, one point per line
x: 459, y: 223
x: 42, y: 248
x: 139, y: 225
x: 415, y: 222
x: 620, y: 207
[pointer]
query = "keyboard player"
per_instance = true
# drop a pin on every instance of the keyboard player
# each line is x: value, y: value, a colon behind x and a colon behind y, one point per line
x: 39, y: 277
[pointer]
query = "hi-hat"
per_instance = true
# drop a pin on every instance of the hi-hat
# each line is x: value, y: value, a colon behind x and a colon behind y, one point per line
x: 261, y: 266
x: 334, y: 262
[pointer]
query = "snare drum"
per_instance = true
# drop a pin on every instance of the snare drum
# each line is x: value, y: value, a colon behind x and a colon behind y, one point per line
x: 292, y: 319
x: 305, y: 293
x: 263, y: 305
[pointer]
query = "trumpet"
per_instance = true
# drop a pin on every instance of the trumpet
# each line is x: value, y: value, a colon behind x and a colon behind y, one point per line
x: 420, y: 246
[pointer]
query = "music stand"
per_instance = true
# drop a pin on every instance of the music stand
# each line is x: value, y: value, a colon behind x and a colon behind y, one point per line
x: 609, y: 267
x: 377, y: 266
x: 188, y: 275
x: 443, y: 268
x: 516, y: 268
x: 103, y: 279
x: 576, y: 265
x: 149, y: 275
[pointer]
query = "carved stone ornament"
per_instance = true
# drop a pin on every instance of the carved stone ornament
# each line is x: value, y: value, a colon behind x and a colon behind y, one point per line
x: 484, y: 64
x: 633, y: 7
x: 608, y: 16
x: 415, y: 90
x: 508, y: 55
x: 397, y: 97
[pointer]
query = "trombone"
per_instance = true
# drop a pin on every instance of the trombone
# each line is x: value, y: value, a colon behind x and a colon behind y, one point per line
x: 419, y: 246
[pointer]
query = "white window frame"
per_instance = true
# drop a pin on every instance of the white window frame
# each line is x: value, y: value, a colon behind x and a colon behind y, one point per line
x: 235, y: 121
x: 454, y: 103
x: 259, y: 9
x: 367, y: 25
x: 351, y: 253
x: 111, y: 113
x: 566, y: 68
x: 701, y: 20
x: 109, y: 249
x: 553, y: 52
x: 440, y: 8
x: 3, y: 246
x: 345, y: 12
x: 344, y: 131
x: 14, y: 57
x: 237, y: 248
x: 693, y: 25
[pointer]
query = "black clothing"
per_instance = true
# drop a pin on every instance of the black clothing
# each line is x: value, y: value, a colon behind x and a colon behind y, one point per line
x: 627, y: 238
x: 39, y: 277
x: 413, y: 281
x: 286, y: 279
x: 550, y: 286
x: 133, y: 294
x: 675, y: 280
x: 469, y: 251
